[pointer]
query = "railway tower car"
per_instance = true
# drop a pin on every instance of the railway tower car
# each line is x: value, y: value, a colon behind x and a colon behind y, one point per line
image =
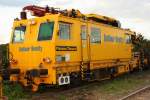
x: 60, y: 47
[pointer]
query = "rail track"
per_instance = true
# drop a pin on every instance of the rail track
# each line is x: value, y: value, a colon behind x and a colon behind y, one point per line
x: 138, y: 93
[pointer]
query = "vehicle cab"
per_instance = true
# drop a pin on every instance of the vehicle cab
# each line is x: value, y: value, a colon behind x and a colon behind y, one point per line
x: 32, y: 48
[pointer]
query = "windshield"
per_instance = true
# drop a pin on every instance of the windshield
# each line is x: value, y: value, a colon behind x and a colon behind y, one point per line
x: 19, y: 33
x: 46, y: 31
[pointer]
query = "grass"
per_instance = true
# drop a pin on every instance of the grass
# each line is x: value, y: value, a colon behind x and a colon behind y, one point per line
x: 62, y: 97
x: 119, y: 86
x: 14, y: 91
x: 125, y: 83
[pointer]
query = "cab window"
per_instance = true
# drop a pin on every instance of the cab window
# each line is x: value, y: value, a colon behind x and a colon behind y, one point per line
x: 46, y: 31
x: 128, y: 39
x: 64, y: 31
x: 95, y: 35
x: 83, y: 32
x: 19, y: 33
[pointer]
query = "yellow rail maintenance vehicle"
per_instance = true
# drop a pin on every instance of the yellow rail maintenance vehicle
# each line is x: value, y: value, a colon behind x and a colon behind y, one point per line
x: 61, y: 47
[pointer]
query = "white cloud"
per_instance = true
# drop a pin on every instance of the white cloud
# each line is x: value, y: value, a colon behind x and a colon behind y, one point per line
x: 132, y: 13
x: 6, y: 21
x: 137, y: 25
x: 15, y: 3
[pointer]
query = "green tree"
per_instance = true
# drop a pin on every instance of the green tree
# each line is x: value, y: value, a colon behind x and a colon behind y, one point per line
x: 4, y: 55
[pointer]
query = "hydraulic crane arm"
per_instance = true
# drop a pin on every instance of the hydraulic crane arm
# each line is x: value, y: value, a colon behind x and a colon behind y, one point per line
x: 41, y: 11
x: 36, y: 10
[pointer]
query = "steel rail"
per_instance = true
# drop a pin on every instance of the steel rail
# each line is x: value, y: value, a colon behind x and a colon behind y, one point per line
x: 136, y: 92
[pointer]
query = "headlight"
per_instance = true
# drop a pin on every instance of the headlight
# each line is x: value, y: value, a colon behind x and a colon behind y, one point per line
x: 47, y: 60
x: 13, y: 61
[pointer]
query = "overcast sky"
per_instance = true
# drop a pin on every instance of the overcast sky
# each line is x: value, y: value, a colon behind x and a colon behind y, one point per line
x: 133, y: 14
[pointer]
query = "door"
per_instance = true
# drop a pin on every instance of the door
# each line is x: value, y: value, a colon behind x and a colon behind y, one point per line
x: 84, y: 43
x: 85, y: 66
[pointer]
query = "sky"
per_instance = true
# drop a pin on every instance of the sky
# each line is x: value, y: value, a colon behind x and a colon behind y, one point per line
x: 133, y: 14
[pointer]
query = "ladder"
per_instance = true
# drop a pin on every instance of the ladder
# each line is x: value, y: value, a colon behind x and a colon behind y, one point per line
x: 85, y: 71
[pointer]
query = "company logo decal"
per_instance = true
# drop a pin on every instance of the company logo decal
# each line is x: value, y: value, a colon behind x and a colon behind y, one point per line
x: 66, y: 48
x: 27, y: 49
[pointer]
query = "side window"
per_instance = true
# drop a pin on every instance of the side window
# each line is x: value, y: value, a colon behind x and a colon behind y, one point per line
x: 108, y: 38
x: 19, y: 33
x: 83, y: 32
x: 64, y: 31
x: 128, y: 39
x: 95, y: 35
x: 46, y: 31
x: 119, y: 39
